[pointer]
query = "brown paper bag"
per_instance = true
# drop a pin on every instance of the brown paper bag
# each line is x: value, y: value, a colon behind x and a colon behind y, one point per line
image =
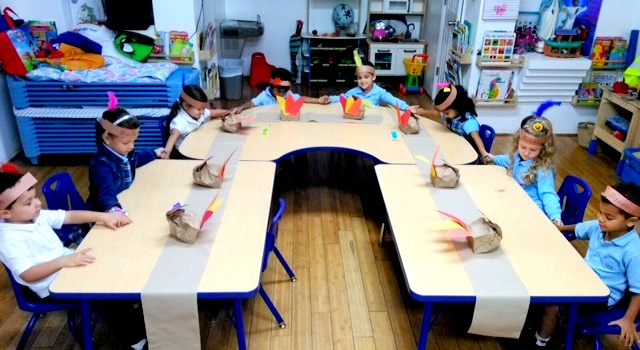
x: 485, y: 235
x: 359, y: 116
x: 205, y: 174
x: 412, y: 127
x: 231, y: 124
x: 446, y: 176
x: 289, y: 117
x: 184, y: 225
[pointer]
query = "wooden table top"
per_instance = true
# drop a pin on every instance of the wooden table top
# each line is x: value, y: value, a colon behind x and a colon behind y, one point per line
x: 548, y: 266
x: 125, y: 258
x: 286, y: 137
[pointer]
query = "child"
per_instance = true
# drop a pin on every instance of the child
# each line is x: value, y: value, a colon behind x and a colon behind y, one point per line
x: 113, y: 167
x: 531, y: 162
x: 614, y: 255
x: 368, y: 90
x: 187, y: 114
x: 279, y: 85
x: 457, y: 111
x: 28, y: 245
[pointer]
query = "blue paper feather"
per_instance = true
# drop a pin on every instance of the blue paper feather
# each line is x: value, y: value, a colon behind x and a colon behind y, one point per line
x: 544, y: 106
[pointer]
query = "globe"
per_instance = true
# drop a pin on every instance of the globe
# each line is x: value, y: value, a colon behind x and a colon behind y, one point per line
x: 343, y: 15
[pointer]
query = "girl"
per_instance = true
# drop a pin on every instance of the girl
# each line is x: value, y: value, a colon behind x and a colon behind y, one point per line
x: 531, y: 162
x: 113, y: 167
x: 187, y: 114
x: 456, y: 110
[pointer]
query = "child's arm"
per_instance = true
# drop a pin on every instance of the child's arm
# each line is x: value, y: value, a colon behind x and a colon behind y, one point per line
x: 111, y: 220
x: 242, y: 107
x: 218, y: 113
x: 548, y: 196
x: 627, y: 323
x: 101, y: 179
x: 324, y: 100
x: 40, y: 271
x: 567, y: 228
x: 486, y: 156
x: 171, y: 142
x: 319, y: 100
x: 428, y: 113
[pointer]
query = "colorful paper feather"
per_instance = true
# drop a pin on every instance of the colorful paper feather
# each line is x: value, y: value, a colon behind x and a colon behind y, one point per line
x: 456, y: 228
x: 215, y: 204
x: 290, y: 106
x: 224, y: 165
x: 175, y: 208
x: 434, y: 173
x: 113, y: 101
x: 351, y: 105
x: 403, y: 119
x: 356, y: 58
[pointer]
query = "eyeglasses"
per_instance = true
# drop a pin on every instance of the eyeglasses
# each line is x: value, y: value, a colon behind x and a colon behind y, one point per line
x: 280, y: 88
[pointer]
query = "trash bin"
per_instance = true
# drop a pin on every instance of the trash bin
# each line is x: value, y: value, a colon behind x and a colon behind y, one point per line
x: 230, y: 78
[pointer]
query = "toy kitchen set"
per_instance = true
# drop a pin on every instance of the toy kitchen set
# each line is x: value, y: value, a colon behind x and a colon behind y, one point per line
x: 394, y: 33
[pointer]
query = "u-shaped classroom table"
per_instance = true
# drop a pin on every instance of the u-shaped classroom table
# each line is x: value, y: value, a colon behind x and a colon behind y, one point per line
x: 142, y: 262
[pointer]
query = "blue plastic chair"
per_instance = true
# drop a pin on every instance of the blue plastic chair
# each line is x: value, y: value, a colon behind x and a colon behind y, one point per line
x: 597, y: 324
x: 60, y: 193
x: 270, y: 246
x: 574, y: 196
x: 28, y: 301
x: 487, y: 134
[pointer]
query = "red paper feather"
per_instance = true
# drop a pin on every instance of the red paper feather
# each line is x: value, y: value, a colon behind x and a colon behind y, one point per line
x: 454, y: 218
x: 224, y: 165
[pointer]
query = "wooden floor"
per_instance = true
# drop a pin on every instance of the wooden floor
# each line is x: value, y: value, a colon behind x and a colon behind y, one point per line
x: 350, y: 293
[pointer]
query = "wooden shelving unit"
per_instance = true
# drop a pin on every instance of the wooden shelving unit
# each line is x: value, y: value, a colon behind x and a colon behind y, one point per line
x: 508, y: 102
x: 616, y: 104
x: 512, y: 63
x: 186, y: 60
x: 461, y: 58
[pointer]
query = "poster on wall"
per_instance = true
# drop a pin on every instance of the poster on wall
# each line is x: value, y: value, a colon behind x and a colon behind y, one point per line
x: 574, y: 17
x: 86, y: 11
x: 500, y: 9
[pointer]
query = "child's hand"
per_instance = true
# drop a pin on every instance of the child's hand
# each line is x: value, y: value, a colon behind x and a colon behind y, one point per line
x: 236, y: 110
x: 161, y: 153
x: 220, y: 113
x: 415, y: 109
x: 79, y: 258
x: 487, y: 158
x: 628, y: 333
x: 115, y: 220
x: 558, y: 222
x: 324, y: 100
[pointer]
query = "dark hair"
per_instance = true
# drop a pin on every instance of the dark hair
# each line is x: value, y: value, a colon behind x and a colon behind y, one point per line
x: 463, y: 104
x: 627, y: 190
x: 8, y: 180
x: 281, y: 73
x: 193, y: 91
x: 112, y: 116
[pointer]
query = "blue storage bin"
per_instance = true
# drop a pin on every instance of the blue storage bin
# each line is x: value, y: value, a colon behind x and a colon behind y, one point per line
x: 29, y: 93
x: 629, y: 166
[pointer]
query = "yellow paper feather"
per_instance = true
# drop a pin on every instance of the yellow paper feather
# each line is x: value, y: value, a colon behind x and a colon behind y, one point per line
x: 282, y: 103
x: 447, y: 225
x: 356, y: 58
x: 424, y: 159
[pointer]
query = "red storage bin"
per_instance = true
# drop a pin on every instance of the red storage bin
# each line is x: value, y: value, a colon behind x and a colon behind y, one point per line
x: 260, y: 69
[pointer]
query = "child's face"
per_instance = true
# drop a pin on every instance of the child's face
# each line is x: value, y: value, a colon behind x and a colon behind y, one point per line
x: 365, y: 79
x: 25, y: 209
x: 612, y: 220
x: 450, y: 113
x: 528, y: 150
x: 193, y: 111
x: 281, y: 89
x: 122, y: 145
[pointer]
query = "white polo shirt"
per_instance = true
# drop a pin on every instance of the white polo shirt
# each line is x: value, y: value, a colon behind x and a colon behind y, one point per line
x: 23, y: 246
x: 185, y: 124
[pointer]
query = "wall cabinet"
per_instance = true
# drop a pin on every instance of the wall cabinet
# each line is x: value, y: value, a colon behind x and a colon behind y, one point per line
x: 615, y: 104
x: 330, y: 59
x: 397, y: 6
x: 389, y: 58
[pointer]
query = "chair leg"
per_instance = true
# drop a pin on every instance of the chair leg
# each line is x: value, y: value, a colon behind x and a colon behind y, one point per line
x: 381, y: 235
x: 597, y: 341
x: 272, y: 307
x: 292, y: 276
x: 27, y: 331
x: 71, y: 323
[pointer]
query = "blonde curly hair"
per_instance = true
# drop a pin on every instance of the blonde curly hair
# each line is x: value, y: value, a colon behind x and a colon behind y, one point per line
x: 538, y: 130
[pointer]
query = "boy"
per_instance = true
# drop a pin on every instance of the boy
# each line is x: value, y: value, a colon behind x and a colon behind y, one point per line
x: 614, y: 254
x: 28, y: 245
x: 279, y: 85
x: 368, y: 90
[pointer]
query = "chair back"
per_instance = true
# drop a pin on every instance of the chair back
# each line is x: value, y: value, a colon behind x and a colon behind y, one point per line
x: 27, y: 299
x: 597, y: 323
x: 574, y: 196
x: 487, y: 134
x: 163, y: 129
x: 272, y: 234
x: 60, y: 193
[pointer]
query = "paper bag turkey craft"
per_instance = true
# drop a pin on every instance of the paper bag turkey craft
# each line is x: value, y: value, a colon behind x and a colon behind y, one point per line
x: 186, y: 224
x: 205, y: 174
x: 233, y: 123
x: 353, y: 108
x: 482, y: 234
x: 442, y: 175
x: 407, y: 123
x: 290, y: 107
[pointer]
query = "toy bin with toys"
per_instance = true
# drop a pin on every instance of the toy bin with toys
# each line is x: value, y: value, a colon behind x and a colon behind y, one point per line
x: 629, y: 166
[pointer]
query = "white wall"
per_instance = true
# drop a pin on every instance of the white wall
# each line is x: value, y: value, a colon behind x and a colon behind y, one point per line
x: 44, y: 10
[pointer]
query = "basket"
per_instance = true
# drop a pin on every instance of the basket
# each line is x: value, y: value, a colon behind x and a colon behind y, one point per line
x: 415, y: 66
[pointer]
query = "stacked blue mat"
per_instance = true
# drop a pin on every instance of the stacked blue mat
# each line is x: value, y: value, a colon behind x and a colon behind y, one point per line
x: 59, y: 117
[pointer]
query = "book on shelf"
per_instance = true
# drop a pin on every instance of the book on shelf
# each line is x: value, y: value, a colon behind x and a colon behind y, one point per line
x: 43, y: 31
x: 604, y: 77
x: 453, y: 72
x: 173, y: 45
x: 497, y: 46
x: 494, y: 84
x: 610, y: 52
x: 589, y: 90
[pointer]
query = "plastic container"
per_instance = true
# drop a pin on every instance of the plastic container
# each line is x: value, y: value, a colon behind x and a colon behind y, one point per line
x: 629, y: 166
x: 230, y: 78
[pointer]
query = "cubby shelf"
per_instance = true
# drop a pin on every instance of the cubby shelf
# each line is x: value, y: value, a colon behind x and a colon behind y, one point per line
x: 619, y: 105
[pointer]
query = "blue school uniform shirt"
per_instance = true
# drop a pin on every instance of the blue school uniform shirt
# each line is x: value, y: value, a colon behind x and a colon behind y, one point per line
x: 542, y: 192
x: 265, y: 98
x: 376, y: 96
x: 616, y: 262
x: 462, y: 126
